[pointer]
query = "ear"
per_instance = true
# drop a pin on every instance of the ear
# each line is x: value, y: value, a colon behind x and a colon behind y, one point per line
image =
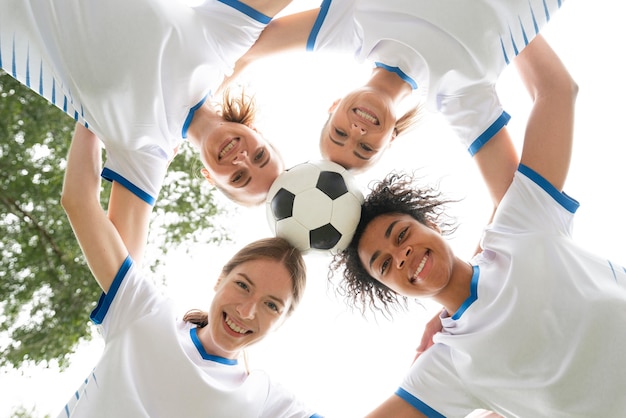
x: 218, y: 282
x: 333, y: 107
x: 394, y: 135
x: 207, y: 175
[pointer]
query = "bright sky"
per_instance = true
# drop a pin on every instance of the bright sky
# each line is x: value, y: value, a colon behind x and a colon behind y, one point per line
x: 337, y: 361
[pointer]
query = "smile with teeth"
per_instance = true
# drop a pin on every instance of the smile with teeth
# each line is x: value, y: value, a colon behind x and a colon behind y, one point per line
x: 367, y: 116
x: 231, y: 144
x: 420, y: 267
x: 234, y: 326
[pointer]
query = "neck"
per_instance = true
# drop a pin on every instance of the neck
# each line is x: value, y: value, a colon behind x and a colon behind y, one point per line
x: 205, y: 118
x: 211, y: 347
x: 389, y: 84
x: 459, y: 287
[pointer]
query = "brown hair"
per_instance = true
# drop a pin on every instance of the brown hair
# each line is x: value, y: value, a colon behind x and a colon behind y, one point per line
x: 277, y: 249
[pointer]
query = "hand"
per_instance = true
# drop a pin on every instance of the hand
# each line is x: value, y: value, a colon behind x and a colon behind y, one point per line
x: 430, y: 330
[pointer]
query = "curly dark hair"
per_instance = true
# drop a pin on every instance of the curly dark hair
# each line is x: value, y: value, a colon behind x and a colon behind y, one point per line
x: 397, y: 193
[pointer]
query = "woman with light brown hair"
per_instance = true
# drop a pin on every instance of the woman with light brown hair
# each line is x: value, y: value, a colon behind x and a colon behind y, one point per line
x: 153, y: 363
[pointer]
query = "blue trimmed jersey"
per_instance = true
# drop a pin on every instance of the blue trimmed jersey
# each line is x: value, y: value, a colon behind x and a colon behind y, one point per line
x: 542, y: 333
x: 154, y: 365
x: 450, y: 52
x: 130, y: 71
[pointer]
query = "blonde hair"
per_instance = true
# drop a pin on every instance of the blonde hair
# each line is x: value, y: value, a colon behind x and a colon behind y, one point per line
x: 409, y: 120
x: 241, y: 108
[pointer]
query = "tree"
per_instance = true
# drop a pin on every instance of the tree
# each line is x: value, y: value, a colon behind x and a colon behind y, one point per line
x: 46, y: 288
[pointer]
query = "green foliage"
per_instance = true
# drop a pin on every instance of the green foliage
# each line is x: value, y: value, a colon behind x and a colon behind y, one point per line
x: 22, y: 412
x: 46, y: 289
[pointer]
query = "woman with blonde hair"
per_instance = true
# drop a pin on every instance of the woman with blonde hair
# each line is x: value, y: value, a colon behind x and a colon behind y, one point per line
x: 141, y: 75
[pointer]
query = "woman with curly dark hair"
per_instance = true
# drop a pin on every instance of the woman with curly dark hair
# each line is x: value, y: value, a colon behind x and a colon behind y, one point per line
x: 524, y: 321
x: 395, y: 194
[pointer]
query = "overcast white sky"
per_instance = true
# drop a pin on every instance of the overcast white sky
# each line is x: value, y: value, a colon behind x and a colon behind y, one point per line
x: 338, y: 362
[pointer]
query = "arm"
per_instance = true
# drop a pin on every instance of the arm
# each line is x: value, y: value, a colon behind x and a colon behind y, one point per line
x: 395, y: 407
x: 100, y: 242
x: 267, y: 7
x: 550, y: 129
x: 432, y: 327
x: 131, y: 218
x: 284, y: 34
x: 497, y: 161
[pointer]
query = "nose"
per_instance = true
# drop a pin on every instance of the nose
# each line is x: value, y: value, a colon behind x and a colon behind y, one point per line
x: 359, y: 129
x: 247, y: 309
x: 403, y: 254
x: 240, y: 157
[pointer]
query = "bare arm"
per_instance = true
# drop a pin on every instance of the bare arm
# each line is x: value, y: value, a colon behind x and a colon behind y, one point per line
x: 131, y: 217
x: 99, y: 240
x: 395, y: 407
x: 550, y: 129
x: 284, y: 34
x: 497, y: 161
x: 267, y: 7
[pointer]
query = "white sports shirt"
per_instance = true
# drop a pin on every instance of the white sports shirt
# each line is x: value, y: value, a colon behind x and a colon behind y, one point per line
x: 132, y: 71
x: 155, y: 366
x: 449, y: 51
x: 542, y: 334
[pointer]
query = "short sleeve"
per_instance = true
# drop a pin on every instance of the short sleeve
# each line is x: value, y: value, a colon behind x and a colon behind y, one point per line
x: 432, y: 387
x: 532, y: 204
x: 282, y: 403
x: 475, y: 115
x: 140, y: 170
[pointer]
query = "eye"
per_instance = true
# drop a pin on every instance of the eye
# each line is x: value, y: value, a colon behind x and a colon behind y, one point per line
x: 259, y: 155
x: 237, y: 177
x: 340, y: 133
x: 366, y: 147
x: 402, y: 234
x: 242, y: 285
x: 384, y: 265
x: 273, y: 307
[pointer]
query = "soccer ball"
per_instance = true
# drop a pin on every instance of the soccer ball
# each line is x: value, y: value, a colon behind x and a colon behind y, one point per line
x: 315, y: 205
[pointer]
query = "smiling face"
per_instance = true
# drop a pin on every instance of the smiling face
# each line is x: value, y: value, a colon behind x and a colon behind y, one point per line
x: 240, y: 162
x: 360, y: 129
x: 250, y: 301
x: 407, y: 256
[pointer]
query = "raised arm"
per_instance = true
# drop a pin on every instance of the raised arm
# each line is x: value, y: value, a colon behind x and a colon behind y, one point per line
x: 550, y: 129
x: 267, y: 7
x: 288, y: 33
x: 99, y: 240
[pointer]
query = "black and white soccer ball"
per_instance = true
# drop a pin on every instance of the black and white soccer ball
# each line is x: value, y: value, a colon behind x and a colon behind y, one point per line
x: 315, y: 205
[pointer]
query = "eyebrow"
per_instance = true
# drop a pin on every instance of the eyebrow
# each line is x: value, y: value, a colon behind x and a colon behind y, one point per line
x: 388, y: 232
x: 251, y: 283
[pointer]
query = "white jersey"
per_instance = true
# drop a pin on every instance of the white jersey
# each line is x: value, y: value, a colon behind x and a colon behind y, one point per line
x: 132, y: 71
x: 451, y: 52
x: 155, y: 366
x: 542, y: 333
